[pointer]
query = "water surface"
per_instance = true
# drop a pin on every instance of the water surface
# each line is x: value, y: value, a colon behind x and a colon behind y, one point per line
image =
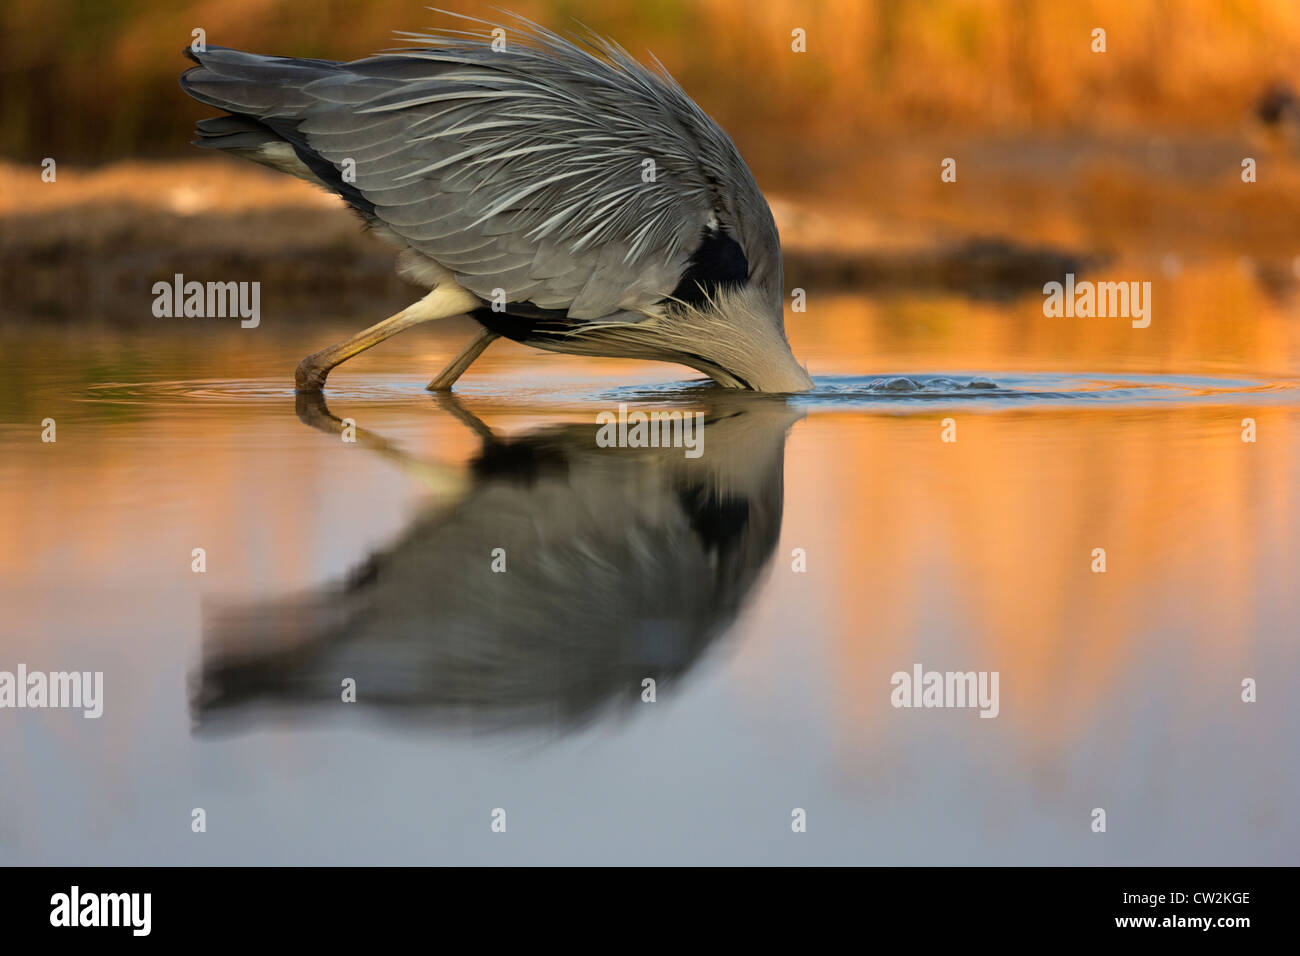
x: 479, y: 690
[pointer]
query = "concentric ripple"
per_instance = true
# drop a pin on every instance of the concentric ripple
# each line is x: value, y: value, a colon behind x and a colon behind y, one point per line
x: 1011, y: 389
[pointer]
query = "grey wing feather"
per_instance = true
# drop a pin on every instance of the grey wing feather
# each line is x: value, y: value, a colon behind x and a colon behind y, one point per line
x: 523, y: 170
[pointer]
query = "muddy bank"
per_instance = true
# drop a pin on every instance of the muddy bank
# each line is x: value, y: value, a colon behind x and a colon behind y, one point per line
x: 95, y: 242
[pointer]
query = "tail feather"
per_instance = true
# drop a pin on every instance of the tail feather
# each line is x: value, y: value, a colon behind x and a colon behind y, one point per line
x: 251, y: 83
x: 265, y: 98
x: 233, y: 132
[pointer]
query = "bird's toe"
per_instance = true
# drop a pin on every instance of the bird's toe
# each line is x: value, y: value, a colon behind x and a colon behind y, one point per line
x: 309, y: 377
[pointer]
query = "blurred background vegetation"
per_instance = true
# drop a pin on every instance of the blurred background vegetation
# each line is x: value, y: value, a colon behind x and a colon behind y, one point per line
x: 1066, y: 158
x: 94, y: 80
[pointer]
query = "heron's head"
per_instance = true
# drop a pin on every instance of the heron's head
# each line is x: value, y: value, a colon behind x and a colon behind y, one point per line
x: 736, y: 336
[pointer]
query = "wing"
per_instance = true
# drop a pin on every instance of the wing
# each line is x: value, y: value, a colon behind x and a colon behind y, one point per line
x: 566, y: 176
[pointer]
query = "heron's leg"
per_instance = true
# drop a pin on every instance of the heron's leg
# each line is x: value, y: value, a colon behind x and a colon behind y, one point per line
x: 456, y: 368
x: 442, y: 303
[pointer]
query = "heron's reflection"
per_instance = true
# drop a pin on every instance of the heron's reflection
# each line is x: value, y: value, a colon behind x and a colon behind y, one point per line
x: 619, y: 565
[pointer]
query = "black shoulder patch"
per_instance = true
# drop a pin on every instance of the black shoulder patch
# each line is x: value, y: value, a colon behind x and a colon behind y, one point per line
x: 525, y: 322
x: 717, y: 260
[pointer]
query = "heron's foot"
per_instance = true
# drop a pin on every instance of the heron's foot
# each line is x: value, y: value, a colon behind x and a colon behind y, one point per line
x: 309, y: 377
x: 443, y: 382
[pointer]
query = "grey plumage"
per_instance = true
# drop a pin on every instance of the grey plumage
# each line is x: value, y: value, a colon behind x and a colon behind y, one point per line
x: 526, y: 174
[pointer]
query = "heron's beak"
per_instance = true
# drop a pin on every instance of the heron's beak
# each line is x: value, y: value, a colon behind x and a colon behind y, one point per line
x: 768, y: 365
x: 782, y: 374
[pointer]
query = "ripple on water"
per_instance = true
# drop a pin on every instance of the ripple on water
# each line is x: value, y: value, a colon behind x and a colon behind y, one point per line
x: 994, y: 390
x: 241, y: 392
x: 1020, y: 389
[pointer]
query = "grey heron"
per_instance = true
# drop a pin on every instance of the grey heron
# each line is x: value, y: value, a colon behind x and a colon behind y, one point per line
x: 556, y: 190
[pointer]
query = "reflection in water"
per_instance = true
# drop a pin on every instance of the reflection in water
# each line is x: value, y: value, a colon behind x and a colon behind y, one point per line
x: 620, y: 565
